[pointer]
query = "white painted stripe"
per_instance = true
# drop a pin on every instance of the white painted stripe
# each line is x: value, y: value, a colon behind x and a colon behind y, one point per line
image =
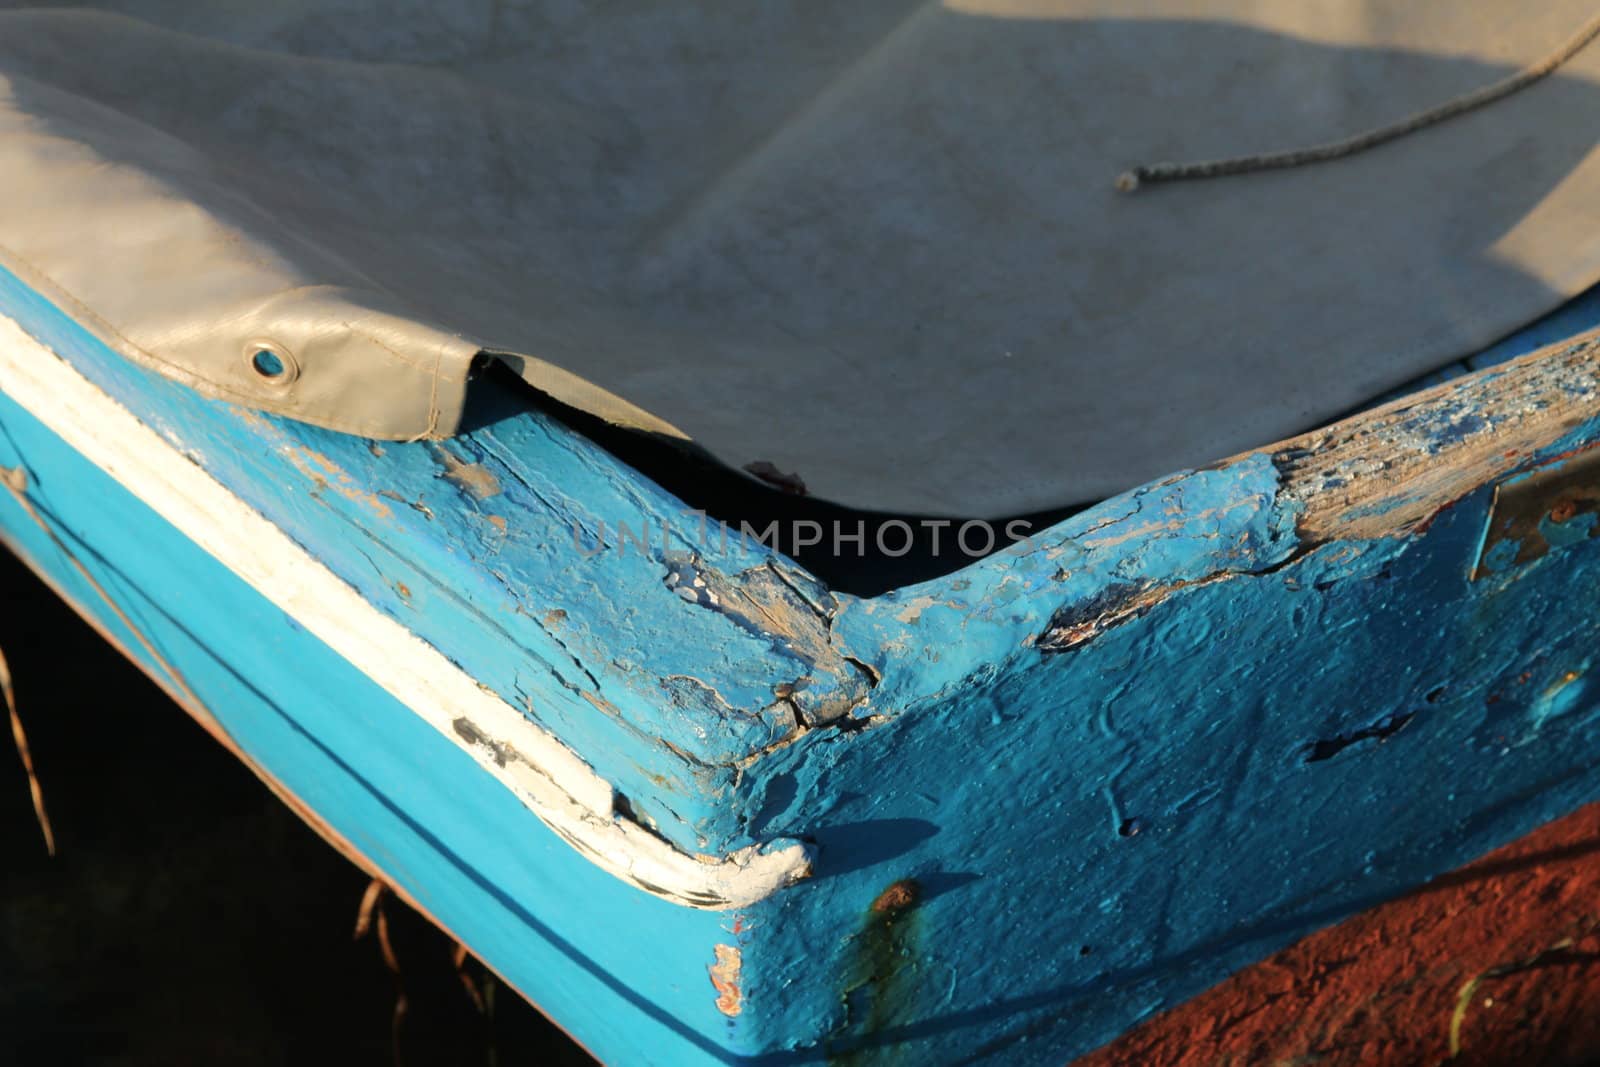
x: 557, y: 786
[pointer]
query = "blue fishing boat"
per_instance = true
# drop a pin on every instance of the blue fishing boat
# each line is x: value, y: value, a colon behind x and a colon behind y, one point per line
x: 799, y: 544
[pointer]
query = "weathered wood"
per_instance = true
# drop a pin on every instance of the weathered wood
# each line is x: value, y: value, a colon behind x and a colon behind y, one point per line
x: 1099, y: 770
x: 1387, y: 469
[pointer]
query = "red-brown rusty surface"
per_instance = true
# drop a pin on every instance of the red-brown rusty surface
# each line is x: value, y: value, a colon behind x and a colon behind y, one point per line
x: 1500, y: 959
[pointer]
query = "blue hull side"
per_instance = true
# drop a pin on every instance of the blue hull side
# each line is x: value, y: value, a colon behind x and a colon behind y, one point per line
x: 1102, y: 833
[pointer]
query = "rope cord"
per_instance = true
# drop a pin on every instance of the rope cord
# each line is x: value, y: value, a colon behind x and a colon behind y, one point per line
x: 1135, y: 178
x: 16, y: 480
x: 20, y: 738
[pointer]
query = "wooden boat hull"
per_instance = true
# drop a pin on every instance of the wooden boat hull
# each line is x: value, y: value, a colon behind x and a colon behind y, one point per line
x: 1038, y: 801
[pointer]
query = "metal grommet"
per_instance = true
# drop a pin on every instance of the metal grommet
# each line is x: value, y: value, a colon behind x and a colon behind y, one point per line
x: 271, y: 363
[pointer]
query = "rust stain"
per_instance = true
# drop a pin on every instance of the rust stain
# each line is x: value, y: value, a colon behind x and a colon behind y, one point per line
x: 1418, y: 979
x: 897, y: 898
x: 1525, y: 508
x: 497, y: 521
x: 474, y: 478
x: 883, y: 976
x: 725, y: 978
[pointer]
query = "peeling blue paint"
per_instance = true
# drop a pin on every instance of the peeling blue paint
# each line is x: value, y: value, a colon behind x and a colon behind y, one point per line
x: 1154, y: 744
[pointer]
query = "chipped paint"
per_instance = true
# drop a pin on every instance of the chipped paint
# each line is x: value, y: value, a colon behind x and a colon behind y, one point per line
x: 325, y: 474
x: 725, y: 979
x: 779, y: 605
x: 473, y: 478
x: 913, y: 608
x: 415, y: 505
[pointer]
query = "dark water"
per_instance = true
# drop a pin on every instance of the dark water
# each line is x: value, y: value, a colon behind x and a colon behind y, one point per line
x: 189, y: 918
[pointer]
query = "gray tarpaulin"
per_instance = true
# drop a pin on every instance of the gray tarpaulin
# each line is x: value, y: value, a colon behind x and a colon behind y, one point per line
x: 873, y: 243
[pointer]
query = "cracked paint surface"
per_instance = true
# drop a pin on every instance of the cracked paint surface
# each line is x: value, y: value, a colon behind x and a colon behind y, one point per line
x: 1090, y: 756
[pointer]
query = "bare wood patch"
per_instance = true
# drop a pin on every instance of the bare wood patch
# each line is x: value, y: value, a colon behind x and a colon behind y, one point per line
x: 1388, y: 470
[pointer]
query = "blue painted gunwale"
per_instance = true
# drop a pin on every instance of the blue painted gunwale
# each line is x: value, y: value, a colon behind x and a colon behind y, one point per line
x: 487, y: 568
x: 447, y: 834
x: 1144, y: 795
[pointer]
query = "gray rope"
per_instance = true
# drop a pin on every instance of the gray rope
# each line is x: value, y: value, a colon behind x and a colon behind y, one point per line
x: 1131, y: 180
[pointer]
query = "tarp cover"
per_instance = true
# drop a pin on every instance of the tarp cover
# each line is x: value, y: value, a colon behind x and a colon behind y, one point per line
x: 874, y: 244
